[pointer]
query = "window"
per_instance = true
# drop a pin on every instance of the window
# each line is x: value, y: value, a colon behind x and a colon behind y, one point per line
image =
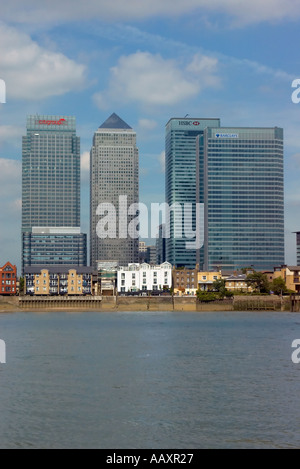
x: 204, y: 277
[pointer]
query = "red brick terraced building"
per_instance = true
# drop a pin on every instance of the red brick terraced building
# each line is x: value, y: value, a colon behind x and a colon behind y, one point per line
x: 8, y: 279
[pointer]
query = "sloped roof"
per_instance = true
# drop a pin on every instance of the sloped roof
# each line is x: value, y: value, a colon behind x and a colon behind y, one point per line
x: 114, y: 122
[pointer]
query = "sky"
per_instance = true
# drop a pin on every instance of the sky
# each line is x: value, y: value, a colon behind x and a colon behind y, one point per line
x: 147, y: 61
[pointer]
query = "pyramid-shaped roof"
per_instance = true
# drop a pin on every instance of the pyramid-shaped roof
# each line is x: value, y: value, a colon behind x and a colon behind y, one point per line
x: 114, y: 122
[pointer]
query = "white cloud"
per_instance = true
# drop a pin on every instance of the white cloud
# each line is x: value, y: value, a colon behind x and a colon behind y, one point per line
x: 10, y: 210
x: 33, y: 72
x: 152, y: 80
x: 85, y: 161
x: 242, y: 12
x: 147, y: 124
x: 11, y: 134
x: 204, y: 67
x: 162, y: 161
x: 101, y: 101
x: 10, y: 179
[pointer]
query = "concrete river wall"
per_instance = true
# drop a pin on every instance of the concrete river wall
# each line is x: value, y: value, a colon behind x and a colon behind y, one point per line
x: 157, y: 303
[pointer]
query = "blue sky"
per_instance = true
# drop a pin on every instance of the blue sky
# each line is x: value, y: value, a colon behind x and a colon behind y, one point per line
x: 147, y: 61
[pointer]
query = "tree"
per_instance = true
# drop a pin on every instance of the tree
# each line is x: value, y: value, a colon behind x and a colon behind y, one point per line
x: 21, y: 285
x: 259, y: 282
x: 219, y: 285
x: 278, y: 286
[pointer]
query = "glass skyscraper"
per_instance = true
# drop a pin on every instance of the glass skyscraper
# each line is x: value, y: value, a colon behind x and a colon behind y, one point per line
x: 183, y: 187
x: 114, y: 183
x: 243, y: 198
x: 51, y: 192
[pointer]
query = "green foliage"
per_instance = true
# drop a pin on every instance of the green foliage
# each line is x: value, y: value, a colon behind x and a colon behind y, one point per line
x: 278, y: 286
x: 219, y: 285
x: 207, y: 296
x: 21, y: 285
x: 258, y: 282
x: 228, y: 294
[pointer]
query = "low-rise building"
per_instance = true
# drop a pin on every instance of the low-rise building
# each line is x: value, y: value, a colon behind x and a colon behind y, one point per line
x: 291, y: 276
x: 8, y: 279
x: 59, y: 280
x: 185, y: 281
x: 136, y: 278
x: 107, y: 278
x: 206, y: 279
x: 237, y: 282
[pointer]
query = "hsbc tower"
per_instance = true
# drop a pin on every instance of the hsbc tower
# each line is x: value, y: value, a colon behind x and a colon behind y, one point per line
x: 184, y: 186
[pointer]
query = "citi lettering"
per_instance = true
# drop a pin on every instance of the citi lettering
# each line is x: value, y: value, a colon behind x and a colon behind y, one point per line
x: 2, y: 92
x: 2, y: 352
x: 59, y: 122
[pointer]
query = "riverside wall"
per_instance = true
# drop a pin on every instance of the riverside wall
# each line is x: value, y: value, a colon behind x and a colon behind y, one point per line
x: 157, y: 303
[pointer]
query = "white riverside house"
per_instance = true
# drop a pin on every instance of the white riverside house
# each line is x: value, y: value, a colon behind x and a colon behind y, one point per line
x: 144, y: 277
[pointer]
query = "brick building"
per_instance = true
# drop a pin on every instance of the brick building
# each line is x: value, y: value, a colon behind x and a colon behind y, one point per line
x: 8, y: 279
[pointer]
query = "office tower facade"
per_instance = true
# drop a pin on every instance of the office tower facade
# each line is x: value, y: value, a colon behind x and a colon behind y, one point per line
x: 114, y: 180
x: 161, y: 244
x: 298, y: 246
x: 243, y: 198
x: 181, y: 188
x: 51, y: 192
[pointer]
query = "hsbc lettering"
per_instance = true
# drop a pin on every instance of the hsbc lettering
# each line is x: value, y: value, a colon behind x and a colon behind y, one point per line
x: 188, y: 123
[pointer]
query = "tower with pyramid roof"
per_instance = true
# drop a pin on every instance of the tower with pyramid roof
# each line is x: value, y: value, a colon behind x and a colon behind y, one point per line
x: 114, y: 173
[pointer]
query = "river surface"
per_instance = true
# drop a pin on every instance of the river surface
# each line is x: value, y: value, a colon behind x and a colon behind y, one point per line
x: 149, y: 380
